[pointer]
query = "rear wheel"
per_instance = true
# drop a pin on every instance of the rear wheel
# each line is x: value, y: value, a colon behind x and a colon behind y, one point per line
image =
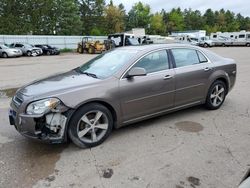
x: 48, y: 53
x: 224, y: 45
x: 248, y: 44
x: 5, y: 55
x: 216, y: 95
x: 205, y: 45
x: 90, y: 125
x: 29, y: 53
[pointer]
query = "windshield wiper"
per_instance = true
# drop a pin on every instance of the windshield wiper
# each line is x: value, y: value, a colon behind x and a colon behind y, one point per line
x: 90, y: 74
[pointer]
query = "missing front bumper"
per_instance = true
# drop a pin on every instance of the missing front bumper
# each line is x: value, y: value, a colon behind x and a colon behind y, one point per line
x: 49, y: 128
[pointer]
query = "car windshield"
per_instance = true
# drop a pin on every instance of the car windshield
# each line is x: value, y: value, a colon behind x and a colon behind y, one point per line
x: 105, y: 65
x: 3, y: 46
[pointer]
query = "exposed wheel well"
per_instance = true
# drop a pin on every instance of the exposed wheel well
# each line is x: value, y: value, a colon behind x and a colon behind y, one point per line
x: 4, y: 53
x: 107, y: 105
x: 225, y: 82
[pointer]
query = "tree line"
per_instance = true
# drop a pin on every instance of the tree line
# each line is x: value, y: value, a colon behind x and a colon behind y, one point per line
x: 96, y: 17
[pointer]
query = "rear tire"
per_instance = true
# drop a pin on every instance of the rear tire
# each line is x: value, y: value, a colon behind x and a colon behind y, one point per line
x: 48, y: 53
x: 216, y: 95
x: 223, y: 45
x: 90, y: 125
x: 248, y: 45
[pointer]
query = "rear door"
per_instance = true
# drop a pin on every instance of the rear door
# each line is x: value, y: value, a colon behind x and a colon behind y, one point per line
x: 192, y: 70
x: 145, y: 95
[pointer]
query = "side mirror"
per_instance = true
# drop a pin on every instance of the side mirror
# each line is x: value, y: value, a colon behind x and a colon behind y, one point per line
x: 136, y: 71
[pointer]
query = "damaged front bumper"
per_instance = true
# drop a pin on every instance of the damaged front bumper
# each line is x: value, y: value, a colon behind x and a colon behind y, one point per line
x: 49, y: 127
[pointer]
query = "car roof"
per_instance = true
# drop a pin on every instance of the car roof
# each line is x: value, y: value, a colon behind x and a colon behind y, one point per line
x: 157, y: 46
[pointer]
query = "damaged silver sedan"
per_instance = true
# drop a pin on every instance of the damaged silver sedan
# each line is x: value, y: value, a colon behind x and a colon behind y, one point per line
x: 120, y: 87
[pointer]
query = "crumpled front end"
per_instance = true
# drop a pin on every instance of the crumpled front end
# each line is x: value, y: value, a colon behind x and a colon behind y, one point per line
x: 49, y: 127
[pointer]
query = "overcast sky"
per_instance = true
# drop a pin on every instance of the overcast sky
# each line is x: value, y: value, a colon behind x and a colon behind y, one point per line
x: 237, y: 6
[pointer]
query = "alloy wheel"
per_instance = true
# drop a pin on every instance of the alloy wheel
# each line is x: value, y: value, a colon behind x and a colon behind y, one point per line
x: 93, y: 126
x: 217, y: 95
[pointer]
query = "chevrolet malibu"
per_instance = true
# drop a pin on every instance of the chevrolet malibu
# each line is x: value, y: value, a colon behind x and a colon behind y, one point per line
x: 120, y: 87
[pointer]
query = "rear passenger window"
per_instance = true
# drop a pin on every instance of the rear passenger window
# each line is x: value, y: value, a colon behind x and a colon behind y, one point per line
x: 154, y: 62
x: 184, y: 57
x: 202, y: 58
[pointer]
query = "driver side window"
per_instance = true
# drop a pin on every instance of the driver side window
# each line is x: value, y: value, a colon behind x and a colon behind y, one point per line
x: 156, y: 61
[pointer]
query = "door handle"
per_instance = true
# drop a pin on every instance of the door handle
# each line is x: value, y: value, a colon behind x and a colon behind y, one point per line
x: 207, y: 69
x: 167, y: 77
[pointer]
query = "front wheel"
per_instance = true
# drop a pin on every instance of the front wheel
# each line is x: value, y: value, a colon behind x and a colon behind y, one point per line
x: 90, y: 125
x: 29, y: 53
x: 5, y: 55
x: 216, y: 95
x: 205, y: 45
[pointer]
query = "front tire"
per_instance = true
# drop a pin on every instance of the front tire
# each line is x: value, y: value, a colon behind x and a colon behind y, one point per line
x: 216, y: 95
x: 5, y: 55
x: 29, y: 53
x: 90, y: 125
x: 205, y: 45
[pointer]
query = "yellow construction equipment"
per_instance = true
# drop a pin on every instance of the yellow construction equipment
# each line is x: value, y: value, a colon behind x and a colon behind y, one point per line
x: 88, y: 45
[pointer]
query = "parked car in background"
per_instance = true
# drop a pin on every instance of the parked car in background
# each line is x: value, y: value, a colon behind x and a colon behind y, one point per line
x: 27, y: 49
x: 186, y: 39
x: 120, y: 87
x: 48, y: 50
x: 6, y: 51
x: 205, y: 42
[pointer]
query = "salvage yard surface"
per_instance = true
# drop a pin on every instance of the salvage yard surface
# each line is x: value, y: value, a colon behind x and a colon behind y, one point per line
x: 190, y: 148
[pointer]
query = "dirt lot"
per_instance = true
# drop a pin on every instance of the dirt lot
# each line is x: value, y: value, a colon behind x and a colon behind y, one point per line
x: 190, y: 148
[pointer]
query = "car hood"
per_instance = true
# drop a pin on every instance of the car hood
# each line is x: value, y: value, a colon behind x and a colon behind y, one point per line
x: 59, y: 83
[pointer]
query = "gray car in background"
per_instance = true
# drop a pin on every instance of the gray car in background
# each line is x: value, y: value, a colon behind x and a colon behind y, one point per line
x: 120, y: 87
x: 27, y: 49
x: 6, y: 51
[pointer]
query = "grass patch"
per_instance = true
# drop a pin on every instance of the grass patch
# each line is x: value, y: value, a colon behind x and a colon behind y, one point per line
x: 66, y: 50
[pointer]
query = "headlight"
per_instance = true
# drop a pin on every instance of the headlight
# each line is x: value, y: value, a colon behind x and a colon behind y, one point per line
x: 42, y: 106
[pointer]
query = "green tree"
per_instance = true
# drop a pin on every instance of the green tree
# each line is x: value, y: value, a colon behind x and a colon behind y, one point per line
x: 68, y: 20
x: 114, y: 18
x: 91, y: 12
x: 175, y: 20
x: 157, y: 26
x: 139, y: 16
x: 13, y: 17
x: 193, y: 19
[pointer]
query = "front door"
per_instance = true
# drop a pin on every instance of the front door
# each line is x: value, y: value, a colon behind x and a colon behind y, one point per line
x: 145, y: 95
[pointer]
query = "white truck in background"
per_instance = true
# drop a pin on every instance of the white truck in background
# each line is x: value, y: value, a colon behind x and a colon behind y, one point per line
x: 241, y: 38
x: 202, y: 41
